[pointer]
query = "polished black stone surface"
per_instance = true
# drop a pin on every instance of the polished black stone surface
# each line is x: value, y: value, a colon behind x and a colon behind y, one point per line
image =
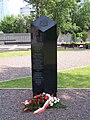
x: 44, y: 56
x: 43, y: 23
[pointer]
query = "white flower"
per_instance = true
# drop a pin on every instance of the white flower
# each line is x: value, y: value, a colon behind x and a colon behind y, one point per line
x: 43, y: 93
x: 51, y: 104
x: 55, y: 101
x: 52, y: 100
x: 26, y: 102
x: 55, y: 98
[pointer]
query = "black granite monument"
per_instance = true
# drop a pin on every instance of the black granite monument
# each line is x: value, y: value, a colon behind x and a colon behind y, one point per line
x: 44, y: 56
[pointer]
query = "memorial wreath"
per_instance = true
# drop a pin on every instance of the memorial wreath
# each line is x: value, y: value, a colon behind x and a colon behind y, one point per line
x: 41, y: 102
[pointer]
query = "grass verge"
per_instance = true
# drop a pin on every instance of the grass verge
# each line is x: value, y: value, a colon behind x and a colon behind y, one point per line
x: 76, y: 78
x: 18, y: 83
x: 26, y: 53
x: 14, y: 53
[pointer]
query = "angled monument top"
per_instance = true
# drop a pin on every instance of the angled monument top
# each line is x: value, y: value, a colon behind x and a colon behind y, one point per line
x: 43, y: 23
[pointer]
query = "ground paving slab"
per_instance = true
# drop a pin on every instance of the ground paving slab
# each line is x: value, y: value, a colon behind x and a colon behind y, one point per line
x: 77, y: 100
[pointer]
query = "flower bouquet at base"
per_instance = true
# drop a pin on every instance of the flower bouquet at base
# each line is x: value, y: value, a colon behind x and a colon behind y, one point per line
x: 41, y: 102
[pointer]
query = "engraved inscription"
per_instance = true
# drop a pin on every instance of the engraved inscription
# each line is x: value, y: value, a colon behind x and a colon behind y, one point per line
x: 38, y: 63
x: 38, y: 77
x: 43, y: 23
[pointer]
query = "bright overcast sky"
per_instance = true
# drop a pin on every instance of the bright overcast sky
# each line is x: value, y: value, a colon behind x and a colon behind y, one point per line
x: 14, y: 6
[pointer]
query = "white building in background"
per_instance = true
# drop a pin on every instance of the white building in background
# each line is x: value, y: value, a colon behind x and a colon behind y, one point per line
x: 25, y: 10
x: 4, y: 8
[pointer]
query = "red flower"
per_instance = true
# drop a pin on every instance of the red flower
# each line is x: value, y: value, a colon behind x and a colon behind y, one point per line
x: 30, y: 109
x: 46, y: 98
x: 30, y: 101
x: 36, y: 103
x: 37, y: 96
x: 41, y: 100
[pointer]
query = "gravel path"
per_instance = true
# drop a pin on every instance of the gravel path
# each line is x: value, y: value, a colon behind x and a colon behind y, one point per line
x: 16, y: 67
x: 77, y: 100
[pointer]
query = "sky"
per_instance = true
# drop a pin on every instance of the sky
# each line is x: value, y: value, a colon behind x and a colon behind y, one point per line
x: 15, y: 5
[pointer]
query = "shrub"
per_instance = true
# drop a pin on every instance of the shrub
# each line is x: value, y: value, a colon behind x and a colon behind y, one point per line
x: 73, y: 37
x: 84, y: 36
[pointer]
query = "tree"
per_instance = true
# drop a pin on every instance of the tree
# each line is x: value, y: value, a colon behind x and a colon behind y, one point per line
x: 39, y: 7
x: 58, y: 10
x: 7, y: 24
x: 16, y: 24
x: 66, y: 12
x: 84, y: 36
x: 83, y: 17
x: 73, y: 37
x: 20, y: 24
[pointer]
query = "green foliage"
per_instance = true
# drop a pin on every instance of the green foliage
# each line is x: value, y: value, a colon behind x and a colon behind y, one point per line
x: 7, y: 24
x: 60, y: 105
x: 73, y: 37
x: 69, y: 15
x: 58, y: 10
x: 78, y: 35
x: 84, y: 36
x: 39, y: 7
x: 83, y: 15
x: 16, y: 24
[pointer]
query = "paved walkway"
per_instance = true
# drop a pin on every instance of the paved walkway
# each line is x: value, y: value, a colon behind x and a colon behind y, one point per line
x: 77, y: 100
x: 16, y: 67
x: 11, y: 47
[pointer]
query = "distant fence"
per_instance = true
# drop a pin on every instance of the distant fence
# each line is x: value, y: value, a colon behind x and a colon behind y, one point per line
x: 25, y: 38
x: 15, y: 38
x: 67, y: 38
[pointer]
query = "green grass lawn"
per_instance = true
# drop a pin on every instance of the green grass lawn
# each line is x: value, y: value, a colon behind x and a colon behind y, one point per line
x: 70, y: 50
x: 20, y: 53
x: 14, y: 53
x: 18, y: 83
x: 26, y: 53
x: 76, y: 78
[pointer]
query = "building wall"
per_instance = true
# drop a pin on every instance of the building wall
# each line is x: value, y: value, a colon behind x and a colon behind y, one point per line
x: 4, y: 9
x: 25, y: 10
x: 14, y: 38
